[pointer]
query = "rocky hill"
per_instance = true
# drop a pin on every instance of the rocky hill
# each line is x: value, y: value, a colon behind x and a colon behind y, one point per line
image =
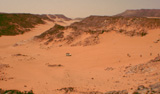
x: 127, y: 25
x: 87, y: 31
x: 14, y: 24
x: 141, y: 13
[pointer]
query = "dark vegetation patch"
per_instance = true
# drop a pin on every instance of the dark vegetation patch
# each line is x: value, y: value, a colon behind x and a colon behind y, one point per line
x: 19, y: 55
x: 67, y: 89
x: 109, y: 69
x: 13, y: 24
x: 23, y: 57
x: 15, y: 92
x: 55, y: 30
x: 55, y: 65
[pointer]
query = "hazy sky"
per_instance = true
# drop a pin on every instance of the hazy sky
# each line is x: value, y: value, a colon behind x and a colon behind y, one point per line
x: 76, y: 8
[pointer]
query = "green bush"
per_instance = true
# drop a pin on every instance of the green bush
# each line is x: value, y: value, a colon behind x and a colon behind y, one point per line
x: 143, y: 33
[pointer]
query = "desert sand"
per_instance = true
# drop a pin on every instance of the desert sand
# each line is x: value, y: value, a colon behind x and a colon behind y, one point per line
x: 102, y: 67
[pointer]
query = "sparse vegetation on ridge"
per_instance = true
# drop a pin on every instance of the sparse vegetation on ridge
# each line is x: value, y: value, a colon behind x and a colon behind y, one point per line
x: 96, y: 25
x: 15, y: 92
x: 13, y: 24
x: 128, y: 25
x: 52, y: 31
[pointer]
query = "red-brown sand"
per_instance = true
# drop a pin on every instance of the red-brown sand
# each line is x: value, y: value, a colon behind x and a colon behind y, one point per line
x: 90, y: 68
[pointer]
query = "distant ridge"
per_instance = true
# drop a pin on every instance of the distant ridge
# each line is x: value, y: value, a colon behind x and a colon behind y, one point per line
x: 79, y: 18
x: 141, y: 13
x: 19, y: 23
x: 63, y: 17
x: 51, y: 17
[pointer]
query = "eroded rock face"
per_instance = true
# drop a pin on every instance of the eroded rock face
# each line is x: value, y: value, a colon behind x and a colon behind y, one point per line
x: 117, y: 92
x: 152, y: 89
x: 155, y: 88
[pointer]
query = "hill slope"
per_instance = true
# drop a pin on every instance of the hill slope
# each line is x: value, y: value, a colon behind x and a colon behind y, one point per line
x: 141, y: 13
x: 88, y: 30
x: 13, y: 24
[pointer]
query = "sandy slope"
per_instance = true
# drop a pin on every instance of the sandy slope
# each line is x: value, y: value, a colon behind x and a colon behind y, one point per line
x: 10, y: 40
x: 92, y: 68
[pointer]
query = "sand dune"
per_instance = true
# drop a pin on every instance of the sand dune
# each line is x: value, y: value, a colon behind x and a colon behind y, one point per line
x: 101, y: 67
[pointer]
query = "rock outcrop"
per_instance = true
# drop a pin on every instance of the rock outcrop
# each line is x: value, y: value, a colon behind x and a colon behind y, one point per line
x: 141, y: 13
x: 152, y: 89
